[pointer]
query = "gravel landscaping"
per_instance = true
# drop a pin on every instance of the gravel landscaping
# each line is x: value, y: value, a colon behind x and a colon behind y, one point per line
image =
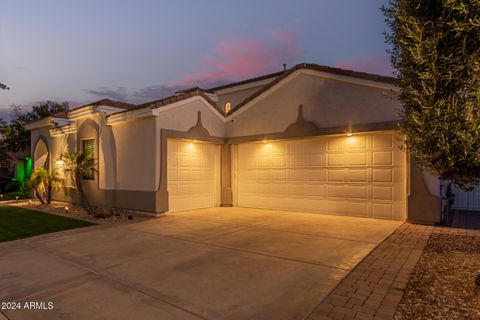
x: 115, y: 216
x: 444, y: 283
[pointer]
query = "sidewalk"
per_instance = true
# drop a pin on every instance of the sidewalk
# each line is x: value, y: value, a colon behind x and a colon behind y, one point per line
x: 375, y: 287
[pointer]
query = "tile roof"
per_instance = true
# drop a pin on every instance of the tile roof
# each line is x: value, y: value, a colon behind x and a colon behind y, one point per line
x: 196, y: 91
x: 316, y: 67
x: 110, y: 103
x: 239, y: 83
x: 179, y: 96
x: 61, y: 114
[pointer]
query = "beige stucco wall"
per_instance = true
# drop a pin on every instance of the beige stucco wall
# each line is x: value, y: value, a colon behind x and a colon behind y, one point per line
x: 125, y: 156
x: 235, y: 97
x: 326, y: 102
x: 134, y: 145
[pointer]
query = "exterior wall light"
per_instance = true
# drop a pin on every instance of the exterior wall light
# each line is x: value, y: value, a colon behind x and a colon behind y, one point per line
x: 228, y: 107
x: 59, y: 162
x: 264, y: 141
x: 349, y: 134
x: 67, y: 209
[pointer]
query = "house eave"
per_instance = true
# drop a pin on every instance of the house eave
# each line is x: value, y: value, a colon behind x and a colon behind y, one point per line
x: 87, y: 111
x: 42, y: 123
x: 130, y: 115
x: 67, y: 129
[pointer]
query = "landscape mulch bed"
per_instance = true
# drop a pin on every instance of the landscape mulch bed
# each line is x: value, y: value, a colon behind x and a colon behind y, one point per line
x: 445, y: 282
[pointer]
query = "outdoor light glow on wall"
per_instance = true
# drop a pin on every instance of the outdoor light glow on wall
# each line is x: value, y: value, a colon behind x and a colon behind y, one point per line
x: 349, y: 134
x: 351, y: 140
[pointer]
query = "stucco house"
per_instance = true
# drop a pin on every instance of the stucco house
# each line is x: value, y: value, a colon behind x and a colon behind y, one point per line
x: 311, y: 138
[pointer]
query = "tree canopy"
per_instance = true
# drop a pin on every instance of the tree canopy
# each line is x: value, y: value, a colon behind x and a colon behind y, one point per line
x: 14, y: 135
x: 436, y: 52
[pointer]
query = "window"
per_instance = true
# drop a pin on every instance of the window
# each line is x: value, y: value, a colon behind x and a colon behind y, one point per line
x: 228, y: 107
x: 88, y: 146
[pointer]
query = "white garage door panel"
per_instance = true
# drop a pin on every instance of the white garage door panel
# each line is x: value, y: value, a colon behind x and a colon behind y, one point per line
x: 191, y: 172
x: 361, y: 175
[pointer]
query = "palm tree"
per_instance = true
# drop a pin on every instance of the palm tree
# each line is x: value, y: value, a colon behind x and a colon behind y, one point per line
x: 51, y: 180
x: 46, y: 180
x: 78, y: 164
x: 36, y: 182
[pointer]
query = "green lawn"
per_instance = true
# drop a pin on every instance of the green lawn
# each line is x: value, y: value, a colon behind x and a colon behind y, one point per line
x: 17, y: 223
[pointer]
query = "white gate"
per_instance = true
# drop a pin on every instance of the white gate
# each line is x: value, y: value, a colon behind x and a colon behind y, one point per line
x: 467, y: 200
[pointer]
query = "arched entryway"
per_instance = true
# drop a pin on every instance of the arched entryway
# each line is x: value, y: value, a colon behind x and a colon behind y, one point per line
x: 40, y: 154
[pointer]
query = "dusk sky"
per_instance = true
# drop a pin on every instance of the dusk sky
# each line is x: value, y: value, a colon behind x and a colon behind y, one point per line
x: 138, y: 51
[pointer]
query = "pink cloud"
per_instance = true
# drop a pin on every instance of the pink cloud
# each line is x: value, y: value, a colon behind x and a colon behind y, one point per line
x: 231, y: 60
x: 237, y: 59
x: 376, y: 63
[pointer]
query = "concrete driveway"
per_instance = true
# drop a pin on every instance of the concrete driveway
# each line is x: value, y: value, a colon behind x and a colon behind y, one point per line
x: 218, y: 263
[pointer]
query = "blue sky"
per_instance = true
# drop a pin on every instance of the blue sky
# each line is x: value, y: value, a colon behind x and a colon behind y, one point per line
x: 82, y: 51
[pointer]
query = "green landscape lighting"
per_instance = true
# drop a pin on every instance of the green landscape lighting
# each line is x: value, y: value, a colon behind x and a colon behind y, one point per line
x: 28, y: 168
x: 24, y: 171
x: 21, y: 173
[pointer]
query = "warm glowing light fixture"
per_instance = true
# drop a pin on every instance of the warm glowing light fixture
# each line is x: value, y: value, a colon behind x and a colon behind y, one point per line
x: 195, y: 141
x: 59, y: 162
x: 228, y: 107
x: 349, y: 134
x: 264, y: 141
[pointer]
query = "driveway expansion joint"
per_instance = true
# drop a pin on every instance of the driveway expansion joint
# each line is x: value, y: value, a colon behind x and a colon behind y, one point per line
x: 107, y: 277
x: 208, y: 244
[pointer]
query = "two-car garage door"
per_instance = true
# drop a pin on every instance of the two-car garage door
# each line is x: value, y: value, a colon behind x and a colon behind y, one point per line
x: 362, y: 175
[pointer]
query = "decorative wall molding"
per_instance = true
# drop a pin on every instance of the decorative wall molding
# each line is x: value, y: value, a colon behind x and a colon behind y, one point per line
x: 302, y: 128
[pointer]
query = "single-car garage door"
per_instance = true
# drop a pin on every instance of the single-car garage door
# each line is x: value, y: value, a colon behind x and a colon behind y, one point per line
x: 193, y: 178
x: 362, y: 175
